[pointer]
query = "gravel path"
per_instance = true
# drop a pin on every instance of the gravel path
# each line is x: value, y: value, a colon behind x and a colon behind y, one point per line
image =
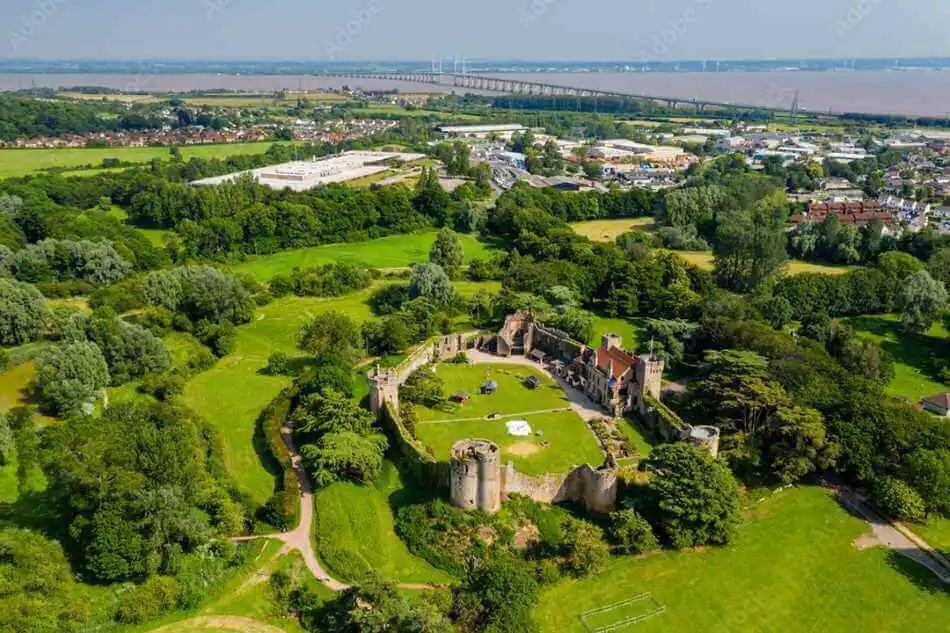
x: 896, y: 536
x: 299, y: 538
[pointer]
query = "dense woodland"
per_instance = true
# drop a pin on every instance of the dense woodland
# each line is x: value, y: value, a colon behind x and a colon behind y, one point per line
x: 139, y: 492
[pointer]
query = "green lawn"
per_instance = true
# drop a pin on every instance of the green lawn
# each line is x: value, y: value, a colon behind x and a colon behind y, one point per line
x: 569, y: 441
x: 388, y: 252
x: 232, y: 394
x: 915, y: 356
x: 355, y: 534
x: 21, y: 162
x: 626, y: 328
x: 794, y: 569
x: 610, y: 230
x: 936, y: 532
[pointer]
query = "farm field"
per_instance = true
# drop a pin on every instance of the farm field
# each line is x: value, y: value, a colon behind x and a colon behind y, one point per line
x: 232, y: 394
x: 568, y: 441
x: 22, y: 162
x: 610, y: 230
x: 355, y: 535
x: 388, y: 252
x: 792, y: 568
x: 915, y: 356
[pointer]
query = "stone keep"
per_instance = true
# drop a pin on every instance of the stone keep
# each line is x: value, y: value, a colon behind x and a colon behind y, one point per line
x: 476, y: 475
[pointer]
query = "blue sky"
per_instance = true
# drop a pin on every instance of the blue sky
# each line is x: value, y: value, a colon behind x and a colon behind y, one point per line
x: 499, y: 29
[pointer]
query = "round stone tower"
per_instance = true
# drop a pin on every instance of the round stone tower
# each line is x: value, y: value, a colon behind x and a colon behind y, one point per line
x: 705, y: 437
x: 476, y: 475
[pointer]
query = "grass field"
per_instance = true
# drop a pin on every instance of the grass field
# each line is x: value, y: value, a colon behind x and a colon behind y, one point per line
x: 915, y: 356
x: 387, y: 252
x: 13, y: 384
x: 704, y: 260
x: 570, y: 442
x: 610, y: 230
x: 793, y: 569
x: 232, y: 394
x: 355, y: 535
x: 21, y: 162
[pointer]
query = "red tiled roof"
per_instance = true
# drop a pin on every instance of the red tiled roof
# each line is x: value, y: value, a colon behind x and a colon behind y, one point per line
x: 622, y: 361
x: 941, y: 400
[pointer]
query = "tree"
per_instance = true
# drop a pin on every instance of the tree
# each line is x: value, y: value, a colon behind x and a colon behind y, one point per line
x: 38, y: 590
x: 898, y: 266
x: 797, y: 443
x: 939, y: 265
x: 749, y: 247
x: 7, y: 443
x: 777, y: 312
x: 375, y: 607
x: 632, y: 533
x: 739, y: 390
x: 130, y: 351
x: 332, y: 412
x: 344, y: 455
x: 928, y: 471
x: 920, y: 301
x: 331, y: 334
x: 499, y: 597
x: 430, y: 282
x: 430, y: 198
x: 447, y: 252
x: 200, y: 293
x: 695, y: 498
x: 423, y: 387
x: 896, y: 498
x: 137, y: 488
x: 71, y: 375
x: 22, y: 313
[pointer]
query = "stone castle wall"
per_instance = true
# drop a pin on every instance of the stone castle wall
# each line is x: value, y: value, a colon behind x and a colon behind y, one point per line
x: 595, y: 488
x: 384, y: 383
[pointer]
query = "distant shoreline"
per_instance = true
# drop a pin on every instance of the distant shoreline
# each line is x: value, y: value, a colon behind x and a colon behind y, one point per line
x: 918, y: 93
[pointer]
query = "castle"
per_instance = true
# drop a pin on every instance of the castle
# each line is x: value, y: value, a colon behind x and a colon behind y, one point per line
x: 608, y: 375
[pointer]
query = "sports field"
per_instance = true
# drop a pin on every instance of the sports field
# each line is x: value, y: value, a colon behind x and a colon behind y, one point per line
x: 395, y: 251
x: 232, y: 394
x: 565, y: 439
x: 792, y: 568
x: 916, y: 356
x: 22, y: 162
x: 355, y: 535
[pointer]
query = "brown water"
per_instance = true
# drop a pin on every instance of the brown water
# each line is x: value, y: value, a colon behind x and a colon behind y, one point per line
x: 898, y: 92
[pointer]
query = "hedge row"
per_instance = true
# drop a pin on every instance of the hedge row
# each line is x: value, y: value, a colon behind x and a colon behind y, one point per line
x: 282, y: 510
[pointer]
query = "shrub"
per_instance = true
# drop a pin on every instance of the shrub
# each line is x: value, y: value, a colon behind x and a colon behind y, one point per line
x: 632, y: 533
x: 150, y: 599
x: 897, y: 499
x: 277, y: 364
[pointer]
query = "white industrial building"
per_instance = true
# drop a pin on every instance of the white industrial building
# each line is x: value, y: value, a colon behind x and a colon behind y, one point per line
x: 306, y: 174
